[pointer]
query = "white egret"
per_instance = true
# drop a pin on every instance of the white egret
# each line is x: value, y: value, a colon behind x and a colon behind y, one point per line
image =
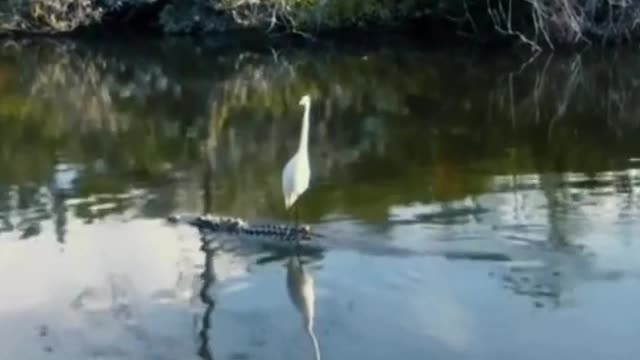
x: 296, y: 173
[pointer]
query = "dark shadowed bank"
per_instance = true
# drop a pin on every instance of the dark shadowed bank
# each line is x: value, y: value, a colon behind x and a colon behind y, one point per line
x: 537, y: 24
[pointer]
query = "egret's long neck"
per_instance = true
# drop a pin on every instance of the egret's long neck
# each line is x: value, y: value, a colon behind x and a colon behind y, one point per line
x: 304, y: 133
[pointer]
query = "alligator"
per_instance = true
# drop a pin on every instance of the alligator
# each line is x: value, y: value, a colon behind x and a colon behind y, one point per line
x: 281, y: 239
x: 208, y: 224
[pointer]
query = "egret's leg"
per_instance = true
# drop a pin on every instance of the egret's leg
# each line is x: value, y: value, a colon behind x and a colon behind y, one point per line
x: 296, y: 224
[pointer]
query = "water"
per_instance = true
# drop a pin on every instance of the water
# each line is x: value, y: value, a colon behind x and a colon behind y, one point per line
x: 471, y: 205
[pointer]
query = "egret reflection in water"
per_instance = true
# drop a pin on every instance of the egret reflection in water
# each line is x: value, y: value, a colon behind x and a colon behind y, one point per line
x: 300, y: 286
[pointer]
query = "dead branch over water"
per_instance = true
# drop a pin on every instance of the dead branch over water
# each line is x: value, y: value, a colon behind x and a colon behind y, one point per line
x: 566, y: 21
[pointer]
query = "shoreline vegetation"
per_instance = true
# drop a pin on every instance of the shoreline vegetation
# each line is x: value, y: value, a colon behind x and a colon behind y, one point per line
x: 535, y: 24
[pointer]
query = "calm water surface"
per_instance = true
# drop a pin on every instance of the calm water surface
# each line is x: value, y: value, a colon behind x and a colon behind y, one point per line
x: 471, y: 206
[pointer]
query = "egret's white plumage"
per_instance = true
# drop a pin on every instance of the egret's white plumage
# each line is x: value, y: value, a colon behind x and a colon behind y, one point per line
x: 296, y: 174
